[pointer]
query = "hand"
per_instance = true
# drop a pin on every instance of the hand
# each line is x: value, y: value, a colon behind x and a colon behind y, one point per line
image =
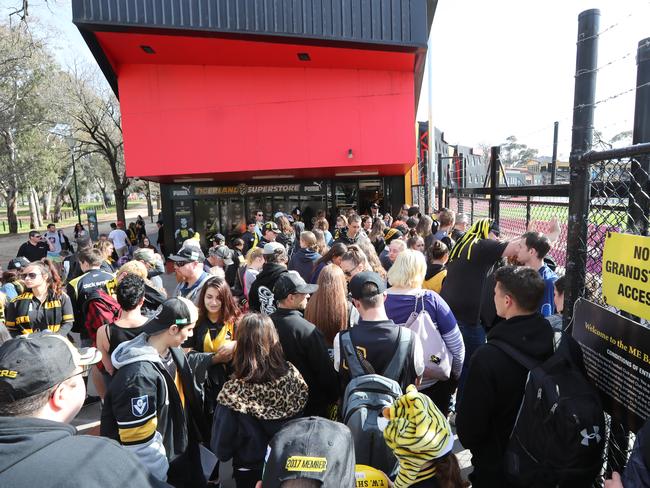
x: 615, y: 482
x: 224, y: 353
x: 554, y: 230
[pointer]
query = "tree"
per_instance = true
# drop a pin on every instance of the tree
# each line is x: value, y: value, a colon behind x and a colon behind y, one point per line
x: 513, y: 153
x: 24, y: 66
x: 98, y: 129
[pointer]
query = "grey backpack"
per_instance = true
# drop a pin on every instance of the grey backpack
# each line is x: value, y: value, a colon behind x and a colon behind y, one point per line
x: 366, y: 395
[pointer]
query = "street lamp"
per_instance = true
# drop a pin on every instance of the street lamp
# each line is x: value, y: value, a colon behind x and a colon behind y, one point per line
x: 71, y: 144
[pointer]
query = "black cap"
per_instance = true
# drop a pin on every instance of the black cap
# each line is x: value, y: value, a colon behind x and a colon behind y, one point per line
x: 291, y: 282
x: 222, y: 252
x: 272, y: 226
x: 173, y: 311
x: 311, y: 448
x: 188, y: 253
x: 18, y: 263
x: 360, y: 279
x: 34, y: 363
x: 374, y: 205
x: 296, y: 211
x: 218, y: 238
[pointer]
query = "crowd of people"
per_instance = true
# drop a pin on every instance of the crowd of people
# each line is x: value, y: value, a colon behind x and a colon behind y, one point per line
x: 306, y: 355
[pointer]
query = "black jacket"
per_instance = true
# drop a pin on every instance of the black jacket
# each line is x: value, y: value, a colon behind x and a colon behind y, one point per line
x: 43, y: 453
x: 304, y: 346
x: 493, y: 392
x: 143, y: 410
x: 260, y: 296
x: 303, y: 261
x: 79, y: 289
x: 249, y: 415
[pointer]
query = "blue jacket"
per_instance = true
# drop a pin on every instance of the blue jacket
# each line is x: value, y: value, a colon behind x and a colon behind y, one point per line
x: 303, y: 261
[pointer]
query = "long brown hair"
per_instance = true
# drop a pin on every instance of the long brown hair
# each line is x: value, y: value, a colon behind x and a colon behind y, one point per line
x: 327, y: 308
x: 258, y: 356
x: 51, y: 274
x: 448, y: 472
x: 229, y: 310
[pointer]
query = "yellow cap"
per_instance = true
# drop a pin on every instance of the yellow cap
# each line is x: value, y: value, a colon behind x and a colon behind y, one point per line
x: 367, y: 476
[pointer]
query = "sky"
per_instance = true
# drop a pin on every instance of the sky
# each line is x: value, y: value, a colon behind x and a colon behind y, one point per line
x: 500, y: 68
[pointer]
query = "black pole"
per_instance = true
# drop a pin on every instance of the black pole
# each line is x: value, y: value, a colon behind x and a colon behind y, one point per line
x: 495, y: 152
x: 581, y: 141
x: 639, y: 206
x: 556, y: 126
x: 440, y: 195
x: 76, y: 187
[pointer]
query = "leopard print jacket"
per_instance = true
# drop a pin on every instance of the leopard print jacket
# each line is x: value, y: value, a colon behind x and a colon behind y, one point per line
x: 279, y: 399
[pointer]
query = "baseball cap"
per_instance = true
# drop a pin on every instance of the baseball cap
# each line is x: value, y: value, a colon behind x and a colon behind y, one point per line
x: 222, y: 252
x: 173, y: 311
x: 374, y: 205
x: 218, y: 238
x: 369, y: 476
x: 18, y: 263
x: 291, y: 282
x: 277, y: 215
x: 144, y: 254
x: 313, y: 448
x: 271, y: 247
x: 272, y: 226
x: 360, y: 279
x: 188, y: 253
x: 32, y: 364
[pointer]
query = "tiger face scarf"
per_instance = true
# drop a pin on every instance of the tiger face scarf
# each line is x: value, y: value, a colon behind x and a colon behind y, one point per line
x: 476, y: 232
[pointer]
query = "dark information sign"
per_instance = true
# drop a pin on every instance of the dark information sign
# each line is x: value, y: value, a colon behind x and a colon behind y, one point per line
x: 617, y: 358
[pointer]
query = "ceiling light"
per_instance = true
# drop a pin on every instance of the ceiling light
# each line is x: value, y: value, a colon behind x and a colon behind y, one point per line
x: 359, y: 173
x: 272, y: 177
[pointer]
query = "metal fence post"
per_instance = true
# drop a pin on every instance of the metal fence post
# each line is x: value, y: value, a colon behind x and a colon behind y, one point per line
x: 495, y: 155
x: 556, y: 126
x: 639, y: 201
x: 440, y: 186
x: 581, y: 141
x: 527, y: 212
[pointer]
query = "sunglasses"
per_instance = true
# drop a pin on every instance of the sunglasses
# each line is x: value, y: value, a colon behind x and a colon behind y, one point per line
x: 180, y: 264
x: 37, y: 236
x: 31, y: 276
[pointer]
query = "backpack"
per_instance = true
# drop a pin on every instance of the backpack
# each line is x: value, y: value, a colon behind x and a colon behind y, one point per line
x: 558, y: 436
x: 365, y: 397
x: 437, y: 360
x: 99, y: 309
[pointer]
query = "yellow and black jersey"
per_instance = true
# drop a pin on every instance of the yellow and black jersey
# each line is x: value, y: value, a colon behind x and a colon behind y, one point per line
x: 209, y: 337
x: 80, y: 288
x: 26, y: 314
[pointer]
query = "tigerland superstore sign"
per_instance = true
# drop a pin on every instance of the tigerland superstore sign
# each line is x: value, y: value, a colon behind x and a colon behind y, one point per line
x: 246, y: 189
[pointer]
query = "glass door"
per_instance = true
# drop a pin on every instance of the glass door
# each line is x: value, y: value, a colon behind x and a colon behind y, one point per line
x: 206, y: 216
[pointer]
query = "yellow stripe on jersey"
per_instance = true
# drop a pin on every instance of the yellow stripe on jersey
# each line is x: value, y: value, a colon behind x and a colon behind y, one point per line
x: 138, y: 434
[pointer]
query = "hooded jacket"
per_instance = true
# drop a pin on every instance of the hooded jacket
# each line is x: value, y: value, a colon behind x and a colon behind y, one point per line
x: 303, y: 261
x: 304, y: 346
x: 43, y: 453
x: 493, y: 392
x: 248, y: 415
x: 260, y: 296
x: 151, y: 416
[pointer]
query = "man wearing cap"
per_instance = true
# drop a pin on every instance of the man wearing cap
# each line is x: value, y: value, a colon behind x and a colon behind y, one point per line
x: 35, y: 248
x: 270, y: 232
x: 188, y: 264
x: 311, y: 448
x: 220, y: 256
x: 303, y: 344
x: 153, y: 405
x: 374, y: 211
x: 41, y: 391
x: 250, y: 237
x: 260, y: 295
x: 375, y: 336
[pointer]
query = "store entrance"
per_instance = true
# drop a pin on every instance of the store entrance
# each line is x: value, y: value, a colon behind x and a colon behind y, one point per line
x: 218, y: 215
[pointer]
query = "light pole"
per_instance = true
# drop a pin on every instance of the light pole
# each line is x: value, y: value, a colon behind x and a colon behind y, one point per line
x: 71, y: 143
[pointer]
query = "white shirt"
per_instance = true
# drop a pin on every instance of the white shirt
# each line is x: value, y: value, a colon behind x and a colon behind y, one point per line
x: 418, y: 355
x: 55, y: 239
x: 119, y: 238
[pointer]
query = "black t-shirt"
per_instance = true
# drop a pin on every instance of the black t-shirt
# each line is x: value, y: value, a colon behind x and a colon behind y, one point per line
x: 463, y: 288
x: 33, y: 252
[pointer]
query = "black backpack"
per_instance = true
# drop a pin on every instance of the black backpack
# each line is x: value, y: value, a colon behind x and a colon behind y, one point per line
x: 558, y: 436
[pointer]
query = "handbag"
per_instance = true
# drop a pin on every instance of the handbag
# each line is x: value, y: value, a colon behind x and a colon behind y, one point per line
x: 437, y: 360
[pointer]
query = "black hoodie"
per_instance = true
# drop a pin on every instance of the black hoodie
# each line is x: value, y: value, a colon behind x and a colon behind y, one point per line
x: 43, y: 453
x: 493, y: 392
x: 260, y: 296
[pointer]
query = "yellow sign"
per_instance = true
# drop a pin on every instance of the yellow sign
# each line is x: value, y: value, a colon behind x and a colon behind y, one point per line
x: 626, y: 273
x: 306, y: 463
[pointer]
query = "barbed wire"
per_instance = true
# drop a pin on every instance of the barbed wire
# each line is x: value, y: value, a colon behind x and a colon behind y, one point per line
x: 612, y: 97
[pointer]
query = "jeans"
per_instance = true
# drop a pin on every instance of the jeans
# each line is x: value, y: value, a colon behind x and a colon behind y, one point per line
x: 473, y: 336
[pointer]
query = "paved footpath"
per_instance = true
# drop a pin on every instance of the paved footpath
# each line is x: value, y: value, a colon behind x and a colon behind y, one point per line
x: 9, y: 243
